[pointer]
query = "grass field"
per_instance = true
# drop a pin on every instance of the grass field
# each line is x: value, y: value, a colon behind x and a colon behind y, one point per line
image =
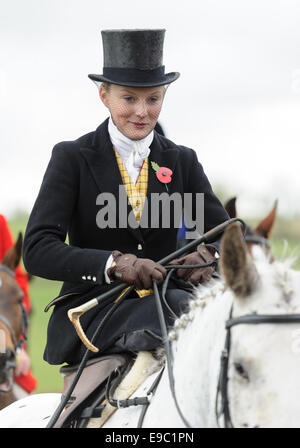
x: 42, y: 291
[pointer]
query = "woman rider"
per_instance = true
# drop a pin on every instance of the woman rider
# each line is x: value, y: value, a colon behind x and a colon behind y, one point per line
x: 81, y: 197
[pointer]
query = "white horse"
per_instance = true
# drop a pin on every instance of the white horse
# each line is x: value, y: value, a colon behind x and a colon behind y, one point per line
x: 259, y: 387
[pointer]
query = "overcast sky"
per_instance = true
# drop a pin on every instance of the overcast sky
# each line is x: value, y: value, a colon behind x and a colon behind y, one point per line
x: 237, y: 102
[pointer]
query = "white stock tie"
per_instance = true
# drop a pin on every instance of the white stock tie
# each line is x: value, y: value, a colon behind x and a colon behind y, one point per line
x: 132, y: 152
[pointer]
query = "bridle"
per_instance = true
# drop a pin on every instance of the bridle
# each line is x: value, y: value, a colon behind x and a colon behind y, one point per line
x: 254, y: 239
x: 8, y: 358
x: 222, y: 387
x: 7, y: 270
x: 251, y: 319
x: 24, y: 317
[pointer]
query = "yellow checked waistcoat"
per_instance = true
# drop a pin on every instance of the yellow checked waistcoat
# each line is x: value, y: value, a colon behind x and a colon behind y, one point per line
x: 136, y: 194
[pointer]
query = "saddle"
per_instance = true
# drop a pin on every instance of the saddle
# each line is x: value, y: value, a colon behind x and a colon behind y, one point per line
x: 90, y: 387
x: 88, y: 404
x: 145, y: 365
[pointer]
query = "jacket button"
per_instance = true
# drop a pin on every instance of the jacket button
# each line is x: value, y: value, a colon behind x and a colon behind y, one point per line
x: 89, y: 277
x: 83, y: 277
x: 94, y: 279
x: 140, y: 247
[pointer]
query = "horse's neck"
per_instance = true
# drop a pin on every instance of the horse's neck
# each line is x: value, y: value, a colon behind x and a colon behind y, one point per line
x: 197, y: 354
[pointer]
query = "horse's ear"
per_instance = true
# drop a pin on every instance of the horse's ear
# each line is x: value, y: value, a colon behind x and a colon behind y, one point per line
x: 230, y: 207
x: 265, y: 227
x: 13, y: 256
x: 237, y: 265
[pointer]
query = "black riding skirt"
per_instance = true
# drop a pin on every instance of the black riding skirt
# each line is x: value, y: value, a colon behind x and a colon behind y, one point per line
x: 133, y: 326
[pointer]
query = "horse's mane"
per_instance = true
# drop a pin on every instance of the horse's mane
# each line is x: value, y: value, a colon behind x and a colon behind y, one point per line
x: 202, y: 296
x: 278, y: 272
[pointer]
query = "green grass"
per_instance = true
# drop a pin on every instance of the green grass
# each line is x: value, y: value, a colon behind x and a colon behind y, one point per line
x: 18, y: 224
x: 285, y: 248
x: 41, y: 292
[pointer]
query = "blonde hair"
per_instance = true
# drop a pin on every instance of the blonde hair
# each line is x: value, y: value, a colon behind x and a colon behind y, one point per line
x: 106, y: 86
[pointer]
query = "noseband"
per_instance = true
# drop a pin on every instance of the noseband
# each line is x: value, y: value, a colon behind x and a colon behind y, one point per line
x: 222, y: 388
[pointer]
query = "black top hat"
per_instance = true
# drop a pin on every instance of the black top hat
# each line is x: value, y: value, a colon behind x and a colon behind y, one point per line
x: 134, y: 58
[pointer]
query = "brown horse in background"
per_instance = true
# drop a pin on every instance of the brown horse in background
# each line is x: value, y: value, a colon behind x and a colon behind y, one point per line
x: 11, y: 321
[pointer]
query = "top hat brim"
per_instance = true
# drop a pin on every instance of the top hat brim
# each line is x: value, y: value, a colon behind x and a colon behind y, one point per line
x: 165, y: 79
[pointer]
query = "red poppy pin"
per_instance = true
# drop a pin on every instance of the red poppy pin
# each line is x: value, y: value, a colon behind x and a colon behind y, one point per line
x: 163, y: 174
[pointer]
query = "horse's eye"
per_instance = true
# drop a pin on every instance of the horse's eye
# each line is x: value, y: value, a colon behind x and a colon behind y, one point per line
x: 241, y: 371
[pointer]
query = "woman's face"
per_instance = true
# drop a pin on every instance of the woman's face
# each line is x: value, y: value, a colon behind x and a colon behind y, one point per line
x: 134, y: 110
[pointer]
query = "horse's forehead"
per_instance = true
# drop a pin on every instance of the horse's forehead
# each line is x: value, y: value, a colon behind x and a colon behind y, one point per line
x: 266, y: 349
x: 256, y: 337
x: 9, y: 287
x: 277, y: 290
x: 278, y: 293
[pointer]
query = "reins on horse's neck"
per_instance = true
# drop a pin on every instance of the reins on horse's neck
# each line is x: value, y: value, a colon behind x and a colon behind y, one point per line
x: 222, y: 383
x: 145, y: 401
x: 169, y: 357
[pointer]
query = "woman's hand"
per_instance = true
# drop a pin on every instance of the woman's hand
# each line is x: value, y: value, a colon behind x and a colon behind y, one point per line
x: 137, y: 271
x: 203, y: 255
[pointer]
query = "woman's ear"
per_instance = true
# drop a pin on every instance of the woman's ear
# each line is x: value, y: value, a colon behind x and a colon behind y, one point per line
x: 103, y: 96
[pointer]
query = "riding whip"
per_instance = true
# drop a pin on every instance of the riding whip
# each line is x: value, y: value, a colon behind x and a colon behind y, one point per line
x: 74, y: 314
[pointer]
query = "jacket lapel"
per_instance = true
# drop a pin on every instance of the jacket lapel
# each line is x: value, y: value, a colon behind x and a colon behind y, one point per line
x: 104, y: 169
x: 163, y: 156
x: 102, y: 162
x: 103, y: 166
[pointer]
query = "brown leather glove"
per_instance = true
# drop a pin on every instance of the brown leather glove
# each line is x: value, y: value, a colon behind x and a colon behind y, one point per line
x: 137, y: 271
x: 203, y: 254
